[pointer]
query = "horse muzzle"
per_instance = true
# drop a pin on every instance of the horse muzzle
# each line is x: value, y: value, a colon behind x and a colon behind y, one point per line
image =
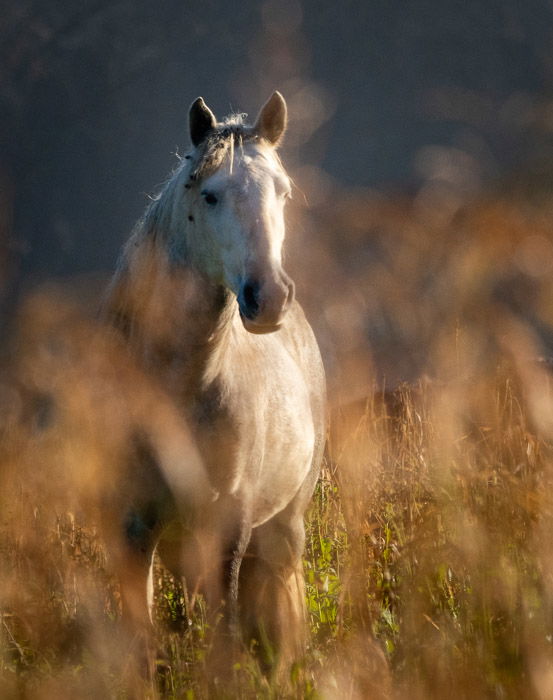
x: 263, y: 304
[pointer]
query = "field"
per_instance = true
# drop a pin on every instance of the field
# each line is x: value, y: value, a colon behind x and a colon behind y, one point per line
x: 429, y: 558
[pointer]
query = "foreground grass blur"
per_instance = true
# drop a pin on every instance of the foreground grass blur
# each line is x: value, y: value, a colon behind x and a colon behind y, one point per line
x: 429, y: 558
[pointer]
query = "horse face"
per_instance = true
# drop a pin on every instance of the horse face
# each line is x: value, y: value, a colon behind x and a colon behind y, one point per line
x: 241, y: 212
x: 239, y: 215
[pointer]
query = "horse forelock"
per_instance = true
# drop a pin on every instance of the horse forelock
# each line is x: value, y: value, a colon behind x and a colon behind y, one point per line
x: 220, y: 144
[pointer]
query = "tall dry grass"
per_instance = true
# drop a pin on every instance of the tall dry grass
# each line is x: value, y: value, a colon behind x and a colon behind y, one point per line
x: 429, y: 563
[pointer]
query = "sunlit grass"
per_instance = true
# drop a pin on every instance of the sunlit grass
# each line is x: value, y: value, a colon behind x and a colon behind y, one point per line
x: 429, y: 549
x: 446, y: 570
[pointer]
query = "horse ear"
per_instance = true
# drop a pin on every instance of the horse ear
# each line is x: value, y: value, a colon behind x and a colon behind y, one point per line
x: 272, y: 119
x: 202, y: 121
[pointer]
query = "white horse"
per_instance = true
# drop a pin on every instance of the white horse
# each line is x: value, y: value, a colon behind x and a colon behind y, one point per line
x: 204, y: 303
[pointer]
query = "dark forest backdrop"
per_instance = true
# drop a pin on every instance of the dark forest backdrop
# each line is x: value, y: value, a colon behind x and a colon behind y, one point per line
x: 383, y: 95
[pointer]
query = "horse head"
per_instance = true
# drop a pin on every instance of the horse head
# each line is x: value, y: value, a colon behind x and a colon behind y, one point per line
x: 236, y: 195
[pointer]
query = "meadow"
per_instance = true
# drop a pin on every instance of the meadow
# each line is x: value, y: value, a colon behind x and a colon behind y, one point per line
x: 429, y: 557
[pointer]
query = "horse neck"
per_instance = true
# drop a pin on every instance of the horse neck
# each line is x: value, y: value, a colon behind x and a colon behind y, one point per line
x: 174, y: 318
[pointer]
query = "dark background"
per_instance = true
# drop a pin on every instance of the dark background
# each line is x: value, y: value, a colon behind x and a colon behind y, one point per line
x: 94, y: 98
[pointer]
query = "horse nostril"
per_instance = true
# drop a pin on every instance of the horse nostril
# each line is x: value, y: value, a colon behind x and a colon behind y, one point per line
x: 250, y: 293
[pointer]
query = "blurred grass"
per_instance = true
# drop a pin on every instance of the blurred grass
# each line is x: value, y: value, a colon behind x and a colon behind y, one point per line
x: 445, y: 563
x: 429, y: 553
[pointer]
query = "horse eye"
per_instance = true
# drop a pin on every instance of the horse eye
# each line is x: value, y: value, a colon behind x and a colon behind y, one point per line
x: 209, y: 198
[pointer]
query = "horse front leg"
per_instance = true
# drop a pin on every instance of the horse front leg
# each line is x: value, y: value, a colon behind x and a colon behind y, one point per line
x: 208, y: 556
x: 272, y: 594
x: 226, y: 642
x: 133, y: 559
x: 232, y: 574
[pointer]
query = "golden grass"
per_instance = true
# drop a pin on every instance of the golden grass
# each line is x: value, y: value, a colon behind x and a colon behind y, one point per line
x: 429, y: 558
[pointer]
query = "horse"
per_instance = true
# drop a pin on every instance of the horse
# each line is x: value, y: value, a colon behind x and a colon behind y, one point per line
x: 201, y: 298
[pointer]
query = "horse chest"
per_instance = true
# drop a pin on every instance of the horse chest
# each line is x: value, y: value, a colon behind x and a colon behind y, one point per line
x: 256, y: 438
x: 217, y: 434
